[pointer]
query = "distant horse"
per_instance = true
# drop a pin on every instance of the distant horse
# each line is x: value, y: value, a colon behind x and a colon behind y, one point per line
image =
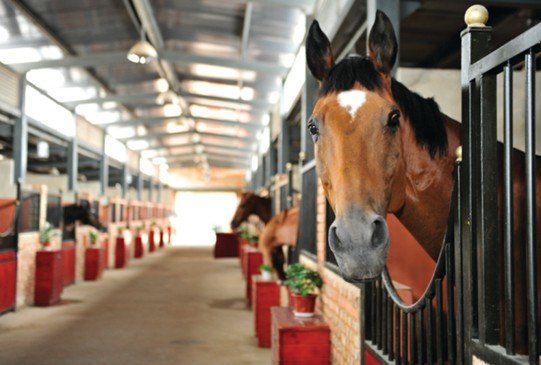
x: 82, y: 212
x: 249, y: 204
x: 280, y: 230
x: 381, y: 148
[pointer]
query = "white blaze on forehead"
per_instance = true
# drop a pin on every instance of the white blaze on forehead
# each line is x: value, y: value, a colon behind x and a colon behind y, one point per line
x: 352, y: 100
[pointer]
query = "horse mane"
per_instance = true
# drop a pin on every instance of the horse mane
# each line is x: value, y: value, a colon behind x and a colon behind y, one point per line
x: 424, y: 114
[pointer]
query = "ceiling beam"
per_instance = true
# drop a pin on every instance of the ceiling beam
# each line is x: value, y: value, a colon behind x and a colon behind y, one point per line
x: 261, y: 103
x: 110, y: 58
x: 150, y: 136
x: 192, y: 144
x: 158, y: 120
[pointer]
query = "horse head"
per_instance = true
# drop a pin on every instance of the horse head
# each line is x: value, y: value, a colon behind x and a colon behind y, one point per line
x: 83, y: 212
x: 359, y: 128
x: 247, y: 206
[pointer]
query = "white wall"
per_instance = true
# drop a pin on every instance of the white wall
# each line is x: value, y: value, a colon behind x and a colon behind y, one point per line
x: 7, y: 187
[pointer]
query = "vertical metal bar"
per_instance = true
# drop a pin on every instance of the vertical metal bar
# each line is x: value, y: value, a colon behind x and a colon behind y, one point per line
x: 150, y: 189
x: 429, y: 332
x: 396, y: 334
x: 71, y: 162
x: 412, y: 338
x: 531, y: 274
x: 457, y: 246
x: 508, y: 207
x: 20, y: 136
x: 384, y: 321
x: 404, y: 324
x: 450, y: 303
x: 439, y: 322
x: 379, y: 320
x: 373, y: 310
x: 420, y: 338
x: 486, y: 206
x: 390, y: 306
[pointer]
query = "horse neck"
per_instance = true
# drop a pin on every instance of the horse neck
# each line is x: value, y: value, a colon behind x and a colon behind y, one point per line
x: 263, y: 209
x: 428, y: 183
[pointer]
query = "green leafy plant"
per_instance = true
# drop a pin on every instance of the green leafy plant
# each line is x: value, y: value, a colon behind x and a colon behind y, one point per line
x: 47, y: 233
x: 253, y: 238
x: 139, y: 229
x: 244, y: 231
x: 121, y: 230
x: 265, y: 267
x: 301, y: 280
x: 93, y: 236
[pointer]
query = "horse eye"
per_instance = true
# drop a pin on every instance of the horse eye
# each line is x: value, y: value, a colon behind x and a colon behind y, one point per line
x: 394, y: 119
x: 313, y: 129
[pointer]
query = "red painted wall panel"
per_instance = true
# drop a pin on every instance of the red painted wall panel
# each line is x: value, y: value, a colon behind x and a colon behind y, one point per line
x: 8, y: 280
x: 68, y: 262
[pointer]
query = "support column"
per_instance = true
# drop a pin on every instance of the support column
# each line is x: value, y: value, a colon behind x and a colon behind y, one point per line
x: 124, y: 181
x: 140, y: 184
x: 150, y: 188
x: 160, y: 191
x: 104, y: 170
x: 20, y: 136
x: 72, y: 164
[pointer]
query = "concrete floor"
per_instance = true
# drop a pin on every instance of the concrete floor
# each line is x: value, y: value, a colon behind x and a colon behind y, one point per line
x: 177, y: 306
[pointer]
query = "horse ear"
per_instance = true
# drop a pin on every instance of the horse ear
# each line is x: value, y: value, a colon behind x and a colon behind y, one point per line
x: 382, y: 44
x: 318, y: 52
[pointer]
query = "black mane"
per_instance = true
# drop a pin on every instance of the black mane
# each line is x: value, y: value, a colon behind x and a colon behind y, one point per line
x: 424, y: 114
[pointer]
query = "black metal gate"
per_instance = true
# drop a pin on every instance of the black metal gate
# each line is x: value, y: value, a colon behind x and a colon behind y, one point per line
x: 469, y: 308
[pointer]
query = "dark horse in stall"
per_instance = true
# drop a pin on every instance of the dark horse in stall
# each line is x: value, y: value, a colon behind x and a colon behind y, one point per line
x: 249, y: 204
x: 382, y: 149
x: 278, y: 230
x: 82, y: 212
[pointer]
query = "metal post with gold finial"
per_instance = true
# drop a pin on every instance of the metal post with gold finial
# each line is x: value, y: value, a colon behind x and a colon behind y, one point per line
x: 475, y: 40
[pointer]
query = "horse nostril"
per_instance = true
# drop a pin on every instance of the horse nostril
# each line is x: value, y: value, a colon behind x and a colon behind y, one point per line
x: 379, y: 232
x: 333, y: 236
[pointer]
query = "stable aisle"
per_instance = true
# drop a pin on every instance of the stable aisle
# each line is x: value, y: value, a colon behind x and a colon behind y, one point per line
x: 177, y: 306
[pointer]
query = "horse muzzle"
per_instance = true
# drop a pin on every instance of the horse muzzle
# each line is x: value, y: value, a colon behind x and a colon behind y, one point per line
x: 360, y: 244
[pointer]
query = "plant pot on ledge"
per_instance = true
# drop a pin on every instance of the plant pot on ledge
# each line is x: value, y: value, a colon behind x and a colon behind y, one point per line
x: 303, y: 283
x: 304, y: 306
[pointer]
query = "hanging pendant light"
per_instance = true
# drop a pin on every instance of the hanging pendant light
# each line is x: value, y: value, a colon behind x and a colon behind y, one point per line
x: 142, y: 52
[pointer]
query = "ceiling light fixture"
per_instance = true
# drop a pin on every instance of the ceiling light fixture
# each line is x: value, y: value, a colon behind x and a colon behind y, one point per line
x: 142, y: 52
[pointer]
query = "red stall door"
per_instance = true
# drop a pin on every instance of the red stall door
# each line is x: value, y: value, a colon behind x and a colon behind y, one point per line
x: 68, y: 262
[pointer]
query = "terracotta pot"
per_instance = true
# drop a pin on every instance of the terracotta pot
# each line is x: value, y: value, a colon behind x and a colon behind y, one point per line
x: 304, y: 306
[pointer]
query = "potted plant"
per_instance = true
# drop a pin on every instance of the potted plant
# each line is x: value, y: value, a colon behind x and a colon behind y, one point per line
x: 303, y: 282
x: 46, y: 234
x: 266, y: 272
x: 93, y: 236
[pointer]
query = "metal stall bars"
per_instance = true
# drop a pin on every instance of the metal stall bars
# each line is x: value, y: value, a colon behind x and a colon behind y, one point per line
x: 498, y: 302
x: 423, y: 332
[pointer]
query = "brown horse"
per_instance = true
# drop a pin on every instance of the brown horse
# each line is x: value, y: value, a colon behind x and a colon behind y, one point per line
x: 279, y: 231
x: 249, y: 204
x: 380, y: 148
